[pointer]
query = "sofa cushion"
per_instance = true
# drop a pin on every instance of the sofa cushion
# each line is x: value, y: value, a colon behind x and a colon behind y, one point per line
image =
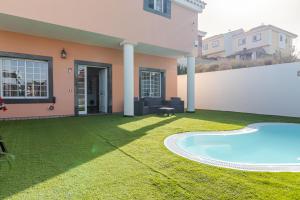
x: 175, y: 99
x: 153, y: 102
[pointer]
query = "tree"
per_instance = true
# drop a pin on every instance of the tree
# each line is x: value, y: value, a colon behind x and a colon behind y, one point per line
x: 280, y: 58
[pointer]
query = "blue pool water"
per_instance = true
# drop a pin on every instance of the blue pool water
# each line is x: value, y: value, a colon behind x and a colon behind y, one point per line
x: 264, y: 144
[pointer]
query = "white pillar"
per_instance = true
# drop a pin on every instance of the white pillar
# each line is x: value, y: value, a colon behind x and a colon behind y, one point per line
x: 191, y: 84
x: 128, y: 48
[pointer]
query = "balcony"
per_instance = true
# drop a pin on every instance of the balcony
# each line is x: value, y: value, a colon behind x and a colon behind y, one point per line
x: 196, y: 5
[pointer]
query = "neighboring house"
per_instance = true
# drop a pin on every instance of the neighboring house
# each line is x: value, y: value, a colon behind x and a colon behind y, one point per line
x: 219, y: 46
x: 60, y: 58
x: 256, y: 43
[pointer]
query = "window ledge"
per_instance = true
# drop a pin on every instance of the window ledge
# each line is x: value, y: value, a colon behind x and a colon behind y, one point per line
x: 167, y: 15
x: 29, y: 101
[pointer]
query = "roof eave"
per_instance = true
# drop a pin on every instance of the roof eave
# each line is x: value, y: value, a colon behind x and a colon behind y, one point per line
x: 195, y: 5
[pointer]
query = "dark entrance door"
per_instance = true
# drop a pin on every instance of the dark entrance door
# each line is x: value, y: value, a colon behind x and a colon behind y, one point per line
x: 93, y: 90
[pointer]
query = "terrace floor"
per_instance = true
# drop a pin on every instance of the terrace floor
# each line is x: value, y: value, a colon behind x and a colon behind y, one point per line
x: 112, y: 157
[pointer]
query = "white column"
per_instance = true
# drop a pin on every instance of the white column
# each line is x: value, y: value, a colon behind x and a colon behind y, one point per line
x: 128, y: 48
x: 190, y: 84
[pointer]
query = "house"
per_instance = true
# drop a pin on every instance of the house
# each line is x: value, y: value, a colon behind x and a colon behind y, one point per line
x: 256, y: 43
x: 60, y: 58
x: 219, y: 46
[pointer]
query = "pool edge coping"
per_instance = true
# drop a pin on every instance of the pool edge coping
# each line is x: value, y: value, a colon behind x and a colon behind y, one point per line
x: 170, y: 144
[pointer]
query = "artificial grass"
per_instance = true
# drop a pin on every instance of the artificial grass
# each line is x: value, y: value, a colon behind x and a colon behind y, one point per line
x: 112, y: 157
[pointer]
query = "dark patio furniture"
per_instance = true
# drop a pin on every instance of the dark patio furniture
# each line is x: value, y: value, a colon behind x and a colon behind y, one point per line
x: 4, y: 153
x: 166, y: 111
x: 3, y: 149
x: 140, y: 108
x: 177, y: 104
x: 149, y: 105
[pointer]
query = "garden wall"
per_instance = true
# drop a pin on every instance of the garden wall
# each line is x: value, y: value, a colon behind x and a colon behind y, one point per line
x: 270, y: 90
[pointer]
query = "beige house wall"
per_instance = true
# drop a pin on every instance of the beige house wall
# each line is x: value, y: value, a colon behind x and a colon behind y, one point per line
x: 265, y: 39
x: 275, y: 44
x: 216, y: 51
x: 217, y: 55
x: 125, y: 19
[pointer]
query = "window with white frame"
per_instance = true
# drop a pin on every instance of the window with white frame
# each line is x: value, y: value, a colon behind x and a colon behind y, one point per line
x: 282, y: 41
x: 283, y: 38
x: 160, y: 7
x: 257, y: 37
x: 23, y: 79
x: 215, y: 43
x: 157, y: 5
x: 150, y: 84
x: 242, y: 41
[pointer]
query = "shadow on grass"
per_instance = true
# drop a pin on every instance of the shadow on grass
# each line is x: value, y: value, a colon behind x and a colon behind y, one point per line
x: 47, y: 148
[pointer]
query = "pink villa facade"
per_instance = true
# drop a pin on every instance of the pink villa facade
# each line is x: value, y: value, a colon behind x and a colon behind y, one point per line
x: 58, y: 58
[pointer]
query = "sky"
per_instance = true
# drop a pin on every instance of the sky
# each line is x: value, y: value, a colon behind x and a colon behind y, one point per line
x: 220, y: 16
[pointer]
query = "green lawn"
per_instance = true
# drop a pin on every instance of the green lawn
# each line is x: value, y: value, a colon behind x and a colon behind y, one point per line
x: 112, y: 157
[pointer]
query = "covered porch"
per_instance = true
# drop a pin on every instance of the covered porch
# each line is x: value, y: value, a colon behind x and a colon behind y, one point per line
x: 130, y: 50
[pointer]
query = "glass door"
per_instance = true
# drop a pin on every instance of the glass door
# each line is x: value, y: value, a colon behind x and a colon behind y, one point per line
x: 82, y: 89
x: 103, y: 90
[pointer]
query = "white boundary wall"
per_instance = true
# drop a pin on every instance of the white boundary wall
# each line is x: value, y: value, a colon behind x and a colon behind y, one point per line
x: 270, y: 90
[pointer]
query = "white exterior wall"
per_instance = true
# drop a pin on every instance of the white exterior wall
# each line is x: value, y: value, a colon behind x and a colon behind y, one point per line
x: 228, y: 44
x: 270, y: 90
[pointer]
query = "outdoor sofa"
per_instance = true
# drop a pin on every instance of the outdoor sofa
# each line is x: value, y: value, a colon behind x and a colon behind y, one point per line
x: 149, y: 105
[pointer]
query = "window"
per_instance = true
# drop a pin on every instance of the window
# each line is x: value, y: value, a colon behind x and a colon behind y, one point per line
x: 242, y: 41
x: 157, y: 5
x: 257, y: 37
x: 25, y: 80
x: 283, y: 38
x: 160, y: 7
x: 215, y: 44
x: 150, y: 84
x: 282, y: 41
x: 205, y: 47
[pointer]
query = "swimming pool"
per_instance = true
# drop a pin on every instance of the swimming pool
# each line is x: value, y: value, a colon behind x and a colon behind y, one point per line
x: 271, y: 147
